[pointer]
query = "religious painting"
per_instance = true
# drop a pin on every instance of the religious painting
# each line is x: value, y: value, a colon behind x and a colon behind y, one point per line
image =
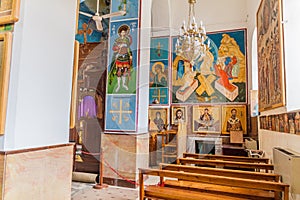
x: 74, y: 85
x: 158, y: 96
x: 122, y: 69
x: 159, y: 71
x: 234, y: 118
x: 130, y: 6
x: 159, y: 74
x: 207, y: 119
x: 179, y: 114
x: 9, y: 11
x: 120, y: 113
x: 87, y: 31
x: 262, y: 121
x: 158, y: 119
x: 5, y: 56
x: 276, y: 123
x: 159, y: 48
x: 158, y: 82
x: 297, y: 123
x: 271, y: 81
x: 292, y: 127
x: 87, y: 107
x: 220, y: 76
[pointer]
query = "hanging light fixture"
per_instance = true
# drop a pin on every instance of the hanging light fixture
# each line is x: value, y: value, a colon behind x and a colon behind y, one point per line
x: 192, y: 42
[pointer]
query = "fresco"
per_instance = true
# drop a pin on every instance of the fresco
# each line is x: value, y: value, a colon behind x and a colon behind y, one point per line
x: 271, y: 85
x: 122, y: 69
x: 159, y: 71
x: 218, y: 77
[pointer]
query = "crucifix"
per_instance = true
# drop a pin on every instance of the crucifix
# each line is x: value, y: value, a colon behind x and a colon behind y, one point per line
x: 159, y: 95
x: 120, y: 112
x: 84, y: 31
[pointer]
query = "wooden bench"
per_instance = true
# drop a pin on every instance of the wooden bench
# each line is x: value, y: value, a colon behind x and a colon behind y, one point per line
x: 192, y: 186
x: 222, y: 172
x: 226, y: 164
x: 226, y: 158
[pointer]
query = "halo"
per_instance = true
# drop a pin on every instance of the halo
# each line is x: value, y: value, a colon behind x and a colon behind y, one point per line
x: 122, y: 26
x: 158, y: 63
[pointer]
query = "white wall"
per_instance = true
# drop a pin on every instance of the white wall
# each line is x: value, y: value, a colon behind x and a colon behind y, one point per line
x: 215, y: 14
x: 41, y: 71
x: 143, y: 99
x: 160, y: 17
x: 291, y: 42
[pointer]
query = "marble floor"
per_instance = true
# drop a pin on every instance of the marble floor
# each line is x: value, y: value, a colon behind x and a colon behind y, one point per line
x: 82, y: 191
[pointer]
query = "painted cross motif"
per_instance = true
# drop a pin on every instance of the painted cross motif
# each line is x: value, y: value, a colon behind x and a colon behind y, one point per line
x: 120, y: 114
x: 158, y: 95
x: 158, y: 49
x: 84, y: 31
x: 206, y: 85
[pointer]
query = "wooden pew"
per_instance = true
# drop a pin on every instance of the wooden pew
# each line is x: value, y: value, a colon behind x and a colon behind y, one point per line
x: 226, y: 158
x: 222, y: 172
x: 226, y: 164
x: 186, y: 189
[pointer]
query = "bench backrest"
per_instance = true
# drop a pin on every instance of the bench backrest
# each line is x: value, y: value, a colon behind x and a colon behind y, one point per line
x: 222, y: 172
x: 226, y: 158
x: 218, y: 180
x: 221, y: 163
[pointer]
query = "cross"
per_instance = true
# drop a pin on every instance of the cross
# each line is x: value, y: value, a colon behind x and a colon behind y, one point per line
x: 158, y: 48
x: 120, y: 112
x: 159, y: 95
x: 85, y: 31
x: 206, y: 85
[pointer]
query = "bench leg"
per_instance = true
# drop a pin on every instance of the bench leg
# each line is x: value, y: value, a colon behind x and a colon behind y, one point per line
x: 141, y: 182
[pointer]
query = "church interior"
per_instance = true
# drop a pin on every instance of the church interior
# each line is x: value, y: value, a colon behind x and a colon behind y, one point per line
x: 149, y: 99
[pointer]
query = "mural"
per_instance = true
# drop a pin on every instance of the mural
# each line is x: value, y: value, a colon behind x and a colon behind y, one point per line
x: 218, y: 77
x: 158, y: 119
x: 234, y: 118
x: 131, y: 7
x: 159, y: 48
x: 159, y: 71
x: 207, y: 119
x: 123, y: 57
x: 271, y: 85
x: 179, y: 114
x: 122, y: 69
x: 285, y: 123
x: 87, y: 31
x: 120, y: 113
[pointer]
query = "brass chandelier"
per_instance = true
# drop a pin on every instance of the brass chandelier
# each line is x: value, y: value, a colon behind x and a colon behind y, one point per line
x: 192, y: 42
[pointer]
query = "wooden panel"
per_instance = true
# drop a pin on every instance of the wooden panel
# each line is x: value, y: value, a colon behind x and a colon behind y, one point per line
x: 222, y: 190
x: 226, y: 158
x: 218, y: 180
x: 173, y: 193
x: 221, y: 163
x: 222, y: 172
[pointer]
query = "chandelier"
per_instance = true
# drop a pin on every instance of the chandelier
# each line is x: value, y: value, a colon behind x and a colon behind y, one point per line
x: 191, y: 44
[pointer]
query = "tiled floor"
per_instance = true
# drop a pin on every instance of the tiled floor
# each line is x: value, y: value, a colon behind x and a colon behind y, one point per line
x: 85, y: 191
x: 82, y: 191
